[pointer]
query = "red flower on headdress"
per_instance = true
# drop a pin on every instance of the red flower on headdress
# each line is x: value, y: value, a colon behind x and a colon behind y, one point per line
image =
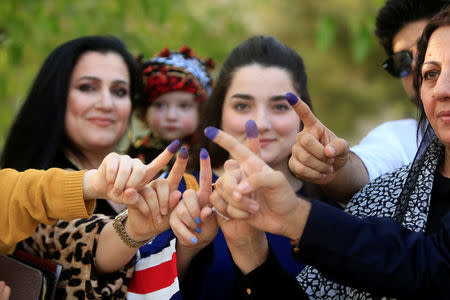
x: 165, y: 52
x: 209, y: 63
x: 186, y: 51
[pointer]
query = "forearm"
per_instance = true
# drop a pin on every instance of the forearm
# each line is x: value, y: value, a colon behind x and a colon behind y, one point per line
x: 375, y: 254
x: 185, y: 255
x: 348, y: 180
x: 251, y: 253
x: 36, y: 196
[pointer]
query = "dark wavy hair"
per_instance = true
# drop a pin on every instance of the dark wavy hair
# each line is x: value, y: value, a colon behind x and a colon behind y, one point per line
x: 37, y: 134
x: 264, y: 50
x: 439, y: 20
x: 395, y: 14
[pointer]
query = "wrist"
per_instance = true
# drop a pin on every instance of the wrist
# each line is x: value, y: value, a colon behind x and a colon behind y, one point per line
x: 296, y: 223
x: 131, y: 239
x: 88, y: 188
x: 251, y: 256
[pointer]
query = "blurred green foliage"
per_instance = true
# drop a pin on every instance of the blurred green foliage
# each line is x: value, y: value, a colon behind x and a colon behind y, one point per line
x: 350, y: 91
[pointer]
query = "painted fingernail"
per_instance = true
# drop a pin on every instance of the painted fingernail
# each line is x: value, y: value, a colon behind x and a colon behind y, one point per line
x: 198, y: 230
x: 251, y: 129
x: 203, y: 154
x: 183, y: 153
x: 193, y: 240
x: 211, y: 132
x: 197, y: 220
x: 291, y: 98
x: 173, y: 147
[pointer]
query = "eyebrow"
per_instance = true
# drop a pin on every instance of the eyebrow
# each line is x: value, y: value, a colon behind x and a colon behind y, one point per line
x: 87, y: 77
x: 250, y: 97
x: 432, y: 62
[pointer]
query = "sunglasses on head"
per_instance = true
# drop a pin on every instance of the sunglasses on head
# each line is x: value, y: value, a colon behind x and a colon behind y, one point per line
x: 399, y: 64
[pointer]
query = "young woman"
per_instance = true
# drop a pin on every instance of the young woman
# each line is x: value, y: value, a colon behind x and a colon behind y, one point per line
x: 252, y: 84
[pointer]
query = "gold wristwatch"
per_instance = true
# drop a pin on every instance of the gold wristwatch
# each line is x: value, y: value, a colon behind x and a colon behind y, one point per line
x: 120, y: 229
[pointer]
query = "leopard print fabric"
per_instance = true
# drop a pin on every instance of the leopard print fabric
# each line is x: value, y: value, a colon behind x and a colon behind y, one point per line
x: 73, y: 245
x: 381, y: 198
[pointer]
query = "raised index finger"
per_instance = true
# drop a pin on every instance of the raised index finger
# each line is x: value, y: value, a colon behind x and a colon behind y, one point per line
x: 302, y: 110
x: 237, y: 150
x: 161, y: 160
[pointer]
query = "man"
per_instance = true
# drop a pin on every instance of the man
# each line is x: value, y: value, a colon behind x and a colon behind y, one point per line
x: 322, y: 158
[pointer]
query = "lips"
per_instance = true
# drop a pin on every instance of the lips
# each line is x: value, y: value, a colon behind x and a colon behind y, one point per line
x: 264, y: 142
x: 444, y: 116
x: 101, y: 122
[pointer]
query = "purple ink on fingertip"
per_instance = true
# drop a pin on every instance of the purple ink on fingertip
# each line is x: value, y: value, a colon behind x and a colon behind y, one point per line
x: 291, y: 98
x: 251, y: 129
x: 204, y: 154
x: 211, y: 132
x: 193, y: 240
x: 198, y: 220
x: 173, y: 147
x: 183, y: 153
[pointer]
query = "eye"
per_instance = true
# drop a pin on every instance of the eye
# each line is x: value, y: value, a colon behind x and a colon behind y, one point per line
x: 86, y: 87
x: 241, y: 106
x: 158, y: 105
x: 281, y: 107
x: 120, y: 92
x: 429, y: 75
x: 185, y: 105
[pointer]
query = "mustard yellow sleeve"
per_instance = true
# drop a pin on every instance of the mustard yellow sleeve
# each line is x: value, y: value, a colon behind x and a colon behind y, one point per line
x: 36, y: 196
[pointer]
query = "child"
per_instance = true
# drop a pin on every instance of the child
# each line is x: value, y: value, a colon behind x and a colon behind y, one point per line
x: 175, y: 83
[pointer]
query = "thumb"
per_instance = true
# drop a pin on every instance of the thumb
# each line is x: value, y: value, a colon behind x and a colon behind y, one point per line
x: 337, y: 148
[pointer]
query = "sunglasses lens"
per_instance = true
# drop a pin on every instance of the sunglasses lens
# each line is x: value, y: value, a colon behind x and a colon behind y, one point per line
x: 399, y: 64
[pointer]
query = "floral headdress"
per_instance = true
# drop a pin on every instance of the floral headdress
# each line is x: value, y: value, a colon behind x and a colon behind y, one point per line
x: 177, y: 71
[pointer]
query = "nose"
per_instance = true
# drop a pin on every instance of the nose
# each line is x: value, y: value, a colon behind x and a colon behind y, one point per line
x: 262, y: 120
x: 105, y: 101
x: 441, y: 90
x: 172, y: 112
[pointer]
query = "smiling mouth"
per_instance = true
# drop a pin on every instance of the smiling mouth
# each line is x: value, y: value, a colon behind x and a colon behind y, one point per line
x: 101, y: 122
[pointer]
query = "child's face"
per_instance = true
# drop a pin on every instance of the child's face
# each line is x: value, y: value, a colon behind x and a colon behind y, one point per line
x: 173, y: 115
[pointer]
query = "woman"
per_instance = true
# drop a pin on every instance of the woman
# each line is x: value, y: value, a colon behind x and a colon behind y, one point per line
x: 77, y: 110
x: 251, y: 85
x: 415, y: 196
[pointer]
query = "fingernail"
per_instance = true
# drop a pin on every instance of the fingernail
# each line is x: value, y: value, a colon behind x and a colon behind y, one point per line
x: 173, y: 147
x: 332, y: 150
x: 197, y: 220
x: 203, y: 154
x: 193, y: 240
x: 330, y: 170
x: 198, y: 230
x: 253, y: 207
x: 243, y: 186
x: 251, y: 129
x: 291, y: 98
x: 183, y: 153
x: 211, y: 132
x: 236, y: 195
x: 163, y: 211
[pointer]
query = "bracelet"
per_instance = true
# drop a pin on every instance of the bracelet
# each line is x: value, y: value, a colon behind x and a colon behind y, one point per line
x: 120, y: 229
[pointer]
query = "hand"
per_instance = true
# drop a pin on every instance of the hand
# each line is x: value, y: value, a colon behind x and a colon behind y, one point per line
x: 191, y: 221
x: 149, y: 216
x: 265, y: 193
x: 318, y: 153
x: 5, y: 291
x: 238, y: 233
x: 119, y: 177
